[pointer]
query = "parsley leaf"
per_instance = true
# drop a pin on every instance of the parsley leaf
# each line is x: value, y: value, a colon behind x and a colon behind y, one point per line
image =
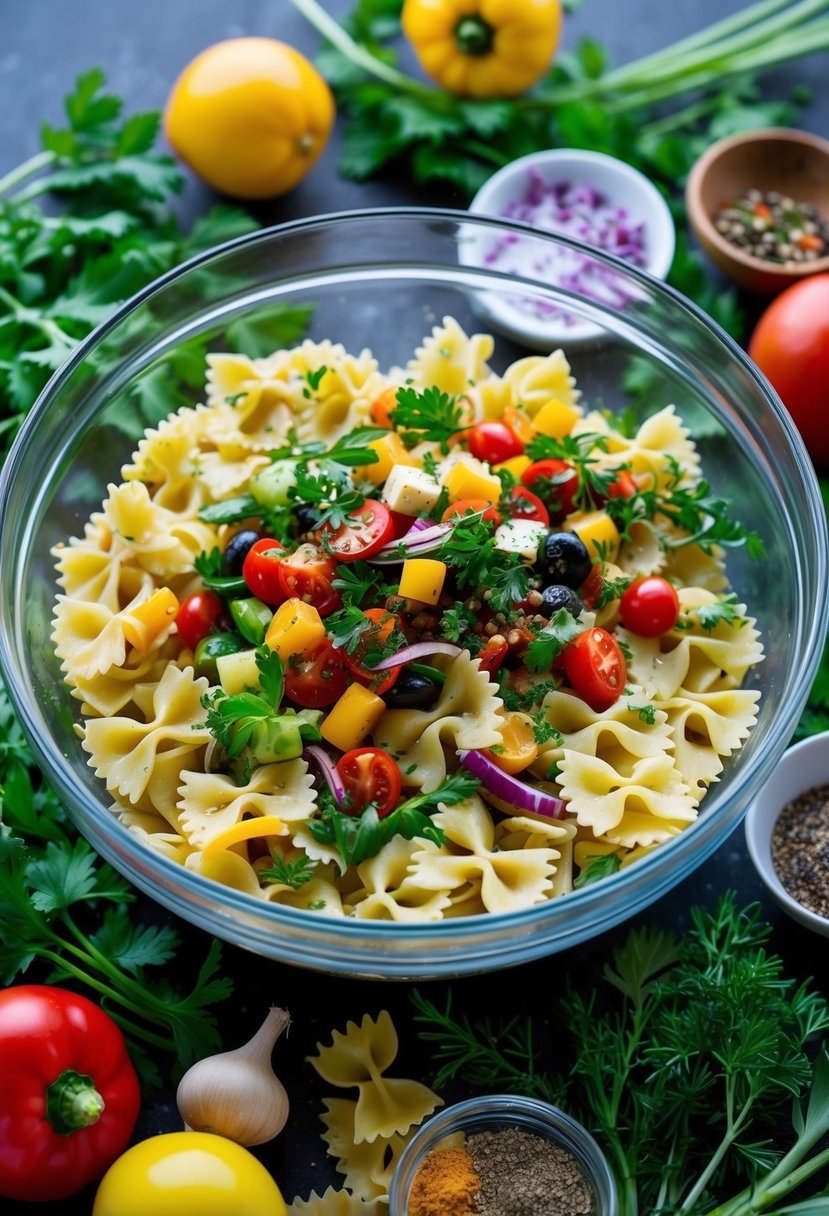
x: 456, y: 622
x: 549, y: 642
x: 294, y: 873
x: 358, y: 582
x: 597, y: 866
x: 471, y: 552
x: 430, y: 415
x: 724, y: 610
x: 330, y: 492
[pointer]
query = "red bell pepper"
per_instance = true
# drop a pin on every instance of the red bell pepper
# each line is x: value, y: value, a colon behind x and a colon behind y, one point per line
x: 69, y: 1096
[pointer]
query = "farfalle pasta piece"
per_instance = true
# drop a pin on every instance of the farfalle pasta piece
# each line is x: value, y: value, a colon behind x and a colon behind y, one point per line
x: 135, y: 757
x: 160, y: 542
x: 389, y: 893
x: 539, y: 379
x: 367, y: 1167
x: 334, y: 1203
x: 105, y: 695
x: 465, y: 715
x: 359, y: 1057
x: 509, y: 879
x: 210, y: 803
x: 450, y: 360
x: 707, y: 726
x: 91, y: 640
x: 661, y: 447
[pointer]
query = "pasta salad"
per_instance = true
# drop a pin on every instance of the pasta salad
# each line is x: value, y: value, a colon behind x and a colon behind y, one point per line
x: 408, y: 644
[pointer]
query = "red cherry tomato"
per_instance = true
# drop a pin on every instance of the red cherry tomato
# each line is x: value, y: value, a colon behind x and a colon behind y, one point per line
x: 370, y: 775
x: 365, y: 531
x: 198, y: 616
x: 556, y: 482
x: 317, y: 678
x: 791, y: 347
x: 261, y: 570
x: 308, y: 574
x: 523, y: 504
x: 493, y: 442
x: 492, y: 656
x: 400, y: 524
x: 379, y: 631
x: 624, y: 486
x: 465, y: 506
x: 595, y: 668
x: 649, y: 606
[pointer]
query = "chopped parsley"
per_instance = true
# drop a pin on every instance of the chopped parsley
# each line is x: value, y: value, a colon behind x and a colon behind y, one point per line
x: 358, y: 582
x: 294, y: 873
x: 543, y: 729
x: 549, y: 642
x: 430, y: 415
x: 329, y: 492
x: 579, y: 452
x: 598, y: 866
x: 724, y: 610
x: 470, y: 551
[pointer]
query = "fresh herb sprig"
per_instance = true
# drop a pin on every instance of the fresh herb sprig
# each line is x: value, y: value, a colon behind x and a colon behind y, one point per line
x: 328, y: 491
x: 358, y: 837
x: 428, y: 414
x: 350, y: 450
x: 582, y: 453
x: 550, y: 641
x: 471, y: 552
x: 293, y: 872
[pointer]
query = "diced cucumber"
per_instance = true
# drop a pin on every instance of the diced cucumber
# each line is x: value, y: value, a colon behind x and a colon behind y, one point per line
x: 270, y: 486
x: 210, y: 649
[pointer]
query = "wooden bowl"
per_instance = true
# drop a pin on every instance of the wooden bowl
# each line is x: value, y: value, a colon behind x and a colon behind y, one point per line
x: 795, y: 163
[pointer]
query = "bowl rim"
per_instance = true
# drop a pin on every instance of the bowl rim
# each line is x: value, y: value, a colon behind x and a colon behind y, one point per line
x: 702, y: 222
x: 760, y: 821
x: 196, y: 888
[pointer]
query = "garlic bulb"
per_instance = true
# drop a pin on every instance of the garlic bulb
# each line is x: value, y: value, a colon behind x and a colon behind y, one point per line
x: 236, y: 1093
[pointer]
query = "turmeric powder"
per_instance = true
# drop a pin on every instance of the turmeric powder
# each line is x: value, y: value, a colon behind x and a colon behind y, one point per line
x: 444, y: 1185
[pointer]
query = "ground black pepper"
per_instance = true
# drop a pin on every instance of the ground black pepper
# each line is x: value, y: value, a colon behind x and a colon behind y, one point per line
x: 523, y: 1174
x: 800, y: 849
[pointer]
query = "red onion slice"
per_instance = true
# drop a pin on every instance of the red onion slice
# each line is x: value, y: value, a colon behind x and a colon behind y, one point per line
x: 421, y: 540
x: 509, y: 789
x: 325, y: 764
x: 420, y: 650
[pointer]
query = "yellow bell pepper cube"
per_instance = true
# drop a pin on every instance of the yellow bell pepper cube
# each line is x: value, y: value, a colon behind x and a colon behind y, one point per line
x: 514, y: 466
x: 353, y: 717
x: 296, y: 628
x: 422, y: 579
x: 390, y: 451
x: 237, y: 672
x: 463, y: 481
x: 247, y: 829
x: 147, y: 621
x: 556, y: 419
x: 598, y: 531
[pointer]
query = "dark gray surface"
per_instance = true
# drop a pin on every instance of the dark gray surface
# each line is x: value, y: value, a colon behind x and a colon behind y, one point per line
x: 142, y: 45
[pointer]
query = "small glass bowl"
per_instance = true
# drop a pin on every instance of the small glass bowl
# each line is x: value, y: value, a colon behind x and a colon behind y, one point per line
x: 495, y: 1112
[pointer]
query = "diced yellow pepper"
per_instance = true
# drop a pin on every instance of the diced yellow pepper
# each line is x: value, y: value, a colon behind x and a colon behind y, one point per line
x: 147, y: 621
x: 237, y: 671
x: 556, y: 419
x: 247, y: 829
x: 598, y: 531
x: 422, y: 579
x: 515, y: 466
x: 295, y: 629
x: 355, y: 714
x: 462, y: 481
x: 390, y: 450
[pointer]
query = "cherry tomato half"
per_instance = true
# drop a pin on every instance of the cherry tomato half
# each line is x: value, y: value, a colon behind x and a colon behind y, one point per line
x: 317, y: 678
x: 370, y: 775
x: 365, y: 531
x: 261, y: 570
x: 308, y: 574
x: 596, y: 668
x: 379, y: 631
x: 624, y: 486
x: 556, y: 482
x: 198, y: 616
x: 493, y: 442
x: 466, y: 506
x: 649, y: 606
x: 523, y: 504
x: 492, y: 656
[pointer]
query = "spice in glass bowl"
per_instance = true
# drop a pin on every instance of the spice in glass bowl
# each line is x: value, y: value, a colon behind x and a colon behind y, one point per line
x: 773, y: 227
x: 445, y: 1184
x: 800, y: 849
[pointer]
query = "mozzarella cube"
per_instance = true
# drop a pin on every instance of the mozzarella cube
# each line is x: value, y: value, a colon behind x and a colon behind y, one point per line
x: 521, y: 536
x: 410, y: 491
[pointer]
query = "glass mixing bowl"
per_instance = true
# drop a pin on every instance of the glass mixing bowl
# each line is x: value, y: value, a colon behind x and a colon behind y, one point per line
x: 381, y: 279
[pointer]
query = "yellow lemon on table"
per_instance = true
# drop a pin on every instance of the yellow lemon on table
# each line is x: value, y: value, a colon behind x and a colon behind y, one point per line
x: 250, y: 116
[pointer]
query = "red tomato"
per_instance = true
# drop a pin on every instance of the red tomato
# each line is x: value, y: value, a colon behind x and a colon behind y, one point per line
x: 492, y: 656
x: 317, y: 678
x: 523, y: 504
x: 370, y: 775
x: 382, y: 625
x: 557, y: 482
x: 365, y: 531
x: 494, y: 442
x: 595, y: 667
x: 791, y: 347
x: 649, y: 606
x: 466, y: 505
x: 308, y: 574
x: 198, y: 616
x: 400, y: 524
x: 261, y: 570
x: 624, y: 486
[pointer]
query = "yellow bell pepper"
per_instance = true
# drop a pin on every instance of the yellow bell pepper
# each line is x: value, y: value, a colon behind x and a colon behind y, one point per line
x: 422, y: 579
x: 464, y: 481
x: 598, y: 531
x: 147, y: 621
x: 246, y: 829
x: 556, y: 419
x: 483, y: 48
x: 296, y: 628
x: 390, y: 451
x: 355, y: 714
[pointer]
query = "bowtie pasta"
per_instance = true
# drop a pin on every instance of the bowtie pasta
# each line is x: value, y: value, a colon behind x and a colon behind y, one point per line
x: 410, y: 644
